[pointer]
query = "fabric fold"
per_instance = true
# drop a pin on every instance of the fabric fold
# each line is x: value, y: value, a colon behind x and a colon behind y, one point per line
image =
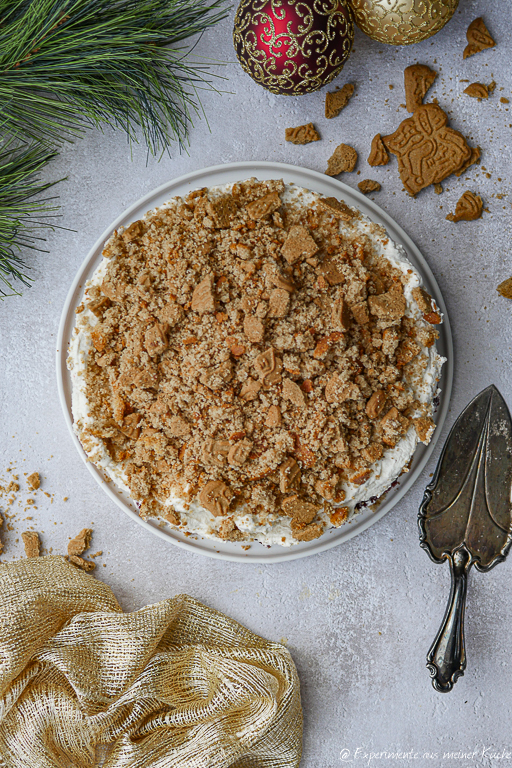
x: 173, y: 685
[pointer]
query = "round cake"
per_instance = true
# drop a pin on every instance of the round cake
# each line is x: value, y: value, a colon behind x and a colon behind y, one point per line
x: 254, y: 362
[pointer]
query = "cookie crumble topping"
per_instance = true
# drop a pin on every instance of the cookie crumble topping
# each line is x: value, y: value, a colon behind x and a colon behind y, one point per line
x: 253, y: 356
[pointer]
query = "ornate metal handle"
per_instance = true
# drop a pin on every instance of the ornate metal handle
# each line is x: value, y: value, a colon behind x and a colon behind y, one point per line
x: 446, y: 660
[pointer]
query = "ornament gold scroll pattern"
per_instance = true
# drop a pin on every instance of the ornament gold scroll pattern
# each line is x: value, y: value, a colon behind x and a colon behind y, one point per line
x: 402, y: 22
x: 290, y: 46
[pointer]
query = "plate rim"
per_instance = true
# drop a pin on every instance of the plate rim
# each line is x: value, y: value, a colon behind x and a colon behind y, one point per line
x: 325, y: 542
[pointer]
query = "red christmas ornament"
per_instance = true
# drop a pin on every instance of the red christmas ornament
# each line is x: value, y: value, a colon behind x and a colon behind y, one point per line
x: 293, y: 46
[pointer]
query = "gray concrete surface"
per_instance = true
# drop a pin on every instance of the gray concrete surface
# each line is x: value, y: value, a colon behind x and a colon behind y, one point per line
x: 357, y: 619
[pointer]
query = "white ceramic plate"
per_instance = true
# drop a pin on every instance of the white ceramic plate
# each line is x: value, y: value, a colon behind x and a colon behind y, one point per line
x: 223, y: 174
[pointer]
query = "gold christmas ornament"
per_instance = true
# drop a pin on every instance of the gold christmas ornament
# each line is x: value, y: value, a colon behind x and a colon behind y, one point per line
x: 402, y: 22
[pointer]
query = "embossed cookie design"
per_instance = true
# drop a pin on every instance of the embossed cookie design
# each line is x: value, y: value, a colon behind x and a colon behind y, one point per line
x: 477, y: 91
x: 469, y: 207
x: 478, y: 37
x: 474, y: 158
x: 480, y: 90
x: 427, y: 149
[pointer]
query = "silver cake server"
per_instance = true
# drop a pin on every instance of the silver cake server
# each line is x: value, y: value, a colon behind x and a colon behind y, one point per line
x: 466, y: 517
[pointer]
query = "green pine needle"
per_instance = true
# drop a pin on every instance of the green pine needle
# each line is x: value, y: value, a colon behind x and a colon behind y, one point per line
x: 21, y: 208
x: 64, y: 63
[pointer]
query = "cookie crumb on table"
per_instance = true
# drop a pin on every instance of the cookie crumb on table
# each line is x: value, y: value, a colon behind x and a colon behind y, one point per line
x: 34, y: 481
x: 31, y: 543
x: 477, y: 91
x: 368, y: 185
x: 505, y: 288
x: 335, y: 101
x: 342, y: 160
x: 469, y: 207
x: 80, y: 543
x: 378, y: 152
x: 80, y: 562
x: 418, y: 78
x: 479, y: 38
x: 302, y: 134
x: 77, y: 547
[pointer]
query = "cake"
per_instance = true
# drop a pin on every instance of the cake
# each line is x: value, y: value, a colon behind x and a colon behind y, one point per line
x: 254, y: 362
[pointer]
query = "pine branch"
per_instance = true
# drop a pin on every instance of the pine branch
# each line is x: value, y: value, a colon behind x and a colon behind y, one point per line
x: 66, y: 63
x: 21, y: 208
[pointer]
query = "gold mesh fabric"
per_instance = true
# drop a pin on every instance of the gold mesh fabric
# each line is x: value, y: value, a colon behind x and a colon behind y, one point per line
x: 173, y: 685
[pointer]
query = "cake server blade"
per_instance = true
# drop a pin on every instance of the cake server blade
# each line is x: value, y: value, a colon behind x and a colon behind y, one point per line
x: 466, y: 517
